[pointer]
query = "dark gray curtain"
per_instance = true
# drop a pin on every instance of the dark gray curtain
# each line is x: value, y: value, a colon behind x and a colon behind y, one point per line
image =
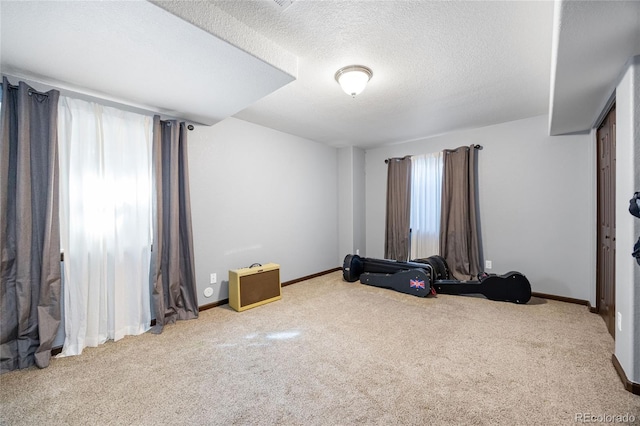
x: 396, y: 246
x: 29, y: 227
x: 459, y: 231
x: 174, y: 294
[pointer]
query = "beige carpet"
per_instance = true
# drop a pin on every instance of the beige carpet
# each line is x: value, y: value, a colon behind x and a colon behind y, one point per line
x: 337, y: 353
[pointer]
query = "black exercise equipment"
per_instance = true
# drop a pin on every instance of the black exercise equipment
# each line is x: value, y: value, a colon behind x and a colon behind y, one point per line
x: 431, y: 275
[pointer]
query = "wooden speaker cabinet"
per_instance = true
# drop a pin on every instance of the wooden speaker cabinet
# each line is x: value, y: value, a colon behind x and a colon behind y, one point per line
x: 251, y: 287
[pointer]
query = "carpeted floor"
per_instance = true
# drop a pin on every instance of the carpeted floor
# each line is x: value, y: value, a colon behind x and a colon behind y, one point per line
x: 337, y: 353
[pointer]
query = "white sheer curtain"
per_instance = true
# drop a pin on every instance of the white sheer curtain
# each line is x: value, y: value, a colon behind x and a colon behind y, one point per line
x: 426, y: 193
x: 105, y: 222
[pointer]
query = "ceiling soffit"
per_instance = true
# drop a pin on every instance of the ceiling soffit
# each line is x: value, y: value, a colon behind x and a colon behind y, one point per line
x: 137, y: 54
x: 592, y: 42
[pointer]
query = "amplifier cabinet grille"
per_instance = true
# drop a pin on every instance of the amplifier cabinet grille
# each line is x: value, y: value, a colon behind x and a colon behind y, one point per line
x: 251, y: 287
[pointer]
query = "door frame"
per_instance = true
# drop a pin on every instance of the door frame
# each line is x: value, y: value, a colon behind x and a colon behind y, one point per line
x: 610, y: 311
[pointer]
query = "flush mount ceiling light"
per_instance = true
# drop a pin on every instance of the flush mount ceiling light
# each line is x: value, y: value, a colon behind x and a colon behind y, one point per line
x: 353, y: 78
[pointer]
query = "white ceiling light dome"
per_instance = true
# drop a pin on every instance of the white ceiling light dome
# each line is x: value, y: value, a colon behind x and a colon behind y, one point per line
x: 353, y: 78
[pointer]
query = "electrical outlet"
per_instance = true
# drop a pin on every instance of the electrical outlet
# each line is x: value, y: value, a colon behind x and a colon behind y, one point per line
x: 357, y: 251
x: 487, y: 264
x: 619, y: 318
x: 213, y: 278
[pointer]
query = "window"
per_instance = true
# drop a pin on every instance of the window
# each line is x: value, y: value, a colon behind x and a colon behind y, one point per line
x: 105, y: 222
x: 426, y: 194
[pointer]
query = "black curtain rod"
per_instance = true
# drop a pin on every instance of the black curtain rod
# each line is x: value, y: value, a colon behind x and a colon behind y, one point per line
x: 397, y: 158
x: 476, y: 146
x: 168, y: 122
x: 31, y: 90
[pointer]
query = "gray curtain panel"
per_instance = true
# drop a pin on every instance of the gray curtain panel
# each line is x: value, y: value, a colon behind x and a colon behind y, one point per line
x: 174, y: 293
x: 459, y: 231
x: 29, y: 227
x: 396, y: 246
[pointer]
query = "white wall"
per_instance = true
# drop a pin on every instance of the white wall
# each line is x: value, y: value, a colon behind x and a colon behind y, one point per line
x: 627, y: 291
x: 359, y: 200
x: 351, y: 202
x: 537, y: 201
x: 260, y: 195
x: 345, y: 202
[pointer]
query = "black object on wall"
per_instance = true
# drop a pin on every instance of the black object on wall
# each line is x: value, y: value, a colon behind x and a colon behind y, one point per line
x: 634, y: 209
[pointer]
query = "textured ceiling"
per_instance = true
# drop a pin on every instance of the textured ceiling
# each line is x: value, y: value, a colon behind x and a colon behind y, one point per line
x: 437, y: 66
